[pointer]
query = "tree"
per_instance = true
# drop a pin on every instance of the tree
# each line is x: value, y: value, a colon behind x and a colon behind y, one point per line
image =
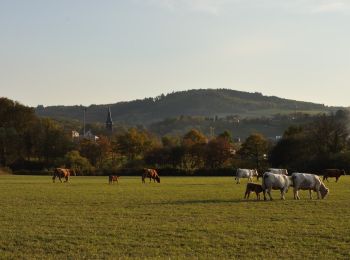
x: 78, y: 163
x: 16, y: 122
x: 134, y: 143
x: 194, y: 144
x: 219, y: 151
x: 314, y: 146
x: 170, y: 141
x: 293, y: 150
x: 329, y: 134
x: 194, y: 137
x: 9, y: 146
x: 90, y: 150
x: 255, y: 149
x: 51, y: 141
x: 226, y: 135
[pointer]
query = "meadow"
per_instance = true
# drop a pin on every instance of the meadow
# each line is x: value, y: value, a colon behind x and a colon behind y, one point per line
x: 182, y: 217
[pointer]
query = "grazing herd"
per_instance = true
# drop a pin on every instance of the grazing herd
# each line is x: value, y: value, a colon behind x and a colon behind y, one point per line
x: 272, y: 179
x: 64, y: 173
x: 278, y: 179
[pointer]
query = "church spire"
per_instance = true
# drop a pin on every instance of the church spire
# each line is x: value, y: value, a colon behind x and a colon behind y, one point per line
x: 109, y: 121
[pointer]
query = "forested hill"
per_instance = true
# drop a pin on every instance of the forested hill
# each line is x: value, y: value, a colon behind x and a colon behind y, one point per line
x: 203, y: 102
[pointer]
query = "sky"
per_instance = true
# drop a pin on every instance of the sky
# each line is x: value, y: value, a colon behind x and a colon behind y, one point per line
x: 73, y: 52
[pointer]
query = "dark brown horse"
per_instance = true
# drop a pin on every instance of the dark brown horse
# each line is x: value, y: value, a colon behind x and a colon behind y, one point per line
x: 332, y: 173
x: 151, y: 174
x: 62, y: 173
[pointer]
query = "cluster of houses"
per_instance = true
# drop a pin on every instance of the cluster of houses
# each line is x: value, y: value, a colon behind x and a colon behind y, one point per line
x: 88, y: 135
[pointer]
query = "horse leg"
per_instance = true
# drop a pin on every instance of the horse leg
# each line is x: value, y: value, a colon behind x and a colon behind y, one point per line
x: 269, y: 193
x: 246, y: 194
x: 318, y: 194
x: 282, y: 194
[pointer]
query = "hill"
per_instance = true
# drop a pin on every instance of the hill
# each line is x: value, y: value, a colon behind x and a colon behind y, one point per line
x: 202, y: 102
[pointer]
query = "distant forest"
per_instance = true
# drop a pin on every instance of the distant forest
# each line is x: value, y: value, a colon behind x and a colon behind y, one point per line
x: 203, y: 102
x: 211, y: 111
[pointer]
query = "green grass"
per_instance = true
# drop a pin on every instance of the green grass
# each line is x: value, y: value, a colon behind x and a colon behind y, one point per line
x: 184, y: 217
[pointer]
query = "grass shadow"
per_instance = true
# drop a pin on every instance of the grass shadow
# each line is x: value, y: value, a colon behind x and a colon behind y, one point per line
x: 210, y: 201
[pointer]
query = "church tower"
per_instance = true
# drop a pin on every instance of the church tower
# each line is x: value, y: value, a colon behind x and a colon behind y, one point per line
x: 109, y: 121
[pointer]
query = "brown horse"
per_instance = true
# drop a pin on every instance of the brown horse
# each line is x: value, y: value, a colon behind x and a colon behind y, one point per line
x: 62, y: 173
x: 151, y: 174
x: 113, y: 178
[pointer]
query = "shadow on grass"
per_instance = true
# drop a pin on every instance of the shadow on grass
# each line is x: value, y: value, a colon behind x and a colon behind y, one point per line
x: 211, y: 201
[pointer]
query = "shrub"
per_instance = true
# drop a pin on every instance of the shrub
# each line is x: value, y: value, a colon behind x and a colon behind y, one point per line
x: 5, y: 170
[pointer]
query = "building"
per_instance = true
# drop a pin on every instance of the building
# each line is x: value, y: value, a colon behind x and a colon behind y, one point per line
x: 76, y: 137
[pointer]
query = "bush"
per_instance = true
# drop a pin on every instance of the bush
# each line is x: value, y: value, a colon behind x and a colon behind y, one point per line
x: 28, y: 165
x: 5, y: 170
x: 109, y: 166
x: 79, y: 164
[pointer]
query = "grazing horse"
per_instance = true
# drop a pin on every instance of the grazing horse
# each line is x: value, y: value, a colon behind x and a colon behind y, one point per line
x: 113, y: 178
x: 62, y: 173
x: 332, y: 173
x: 151, y: 174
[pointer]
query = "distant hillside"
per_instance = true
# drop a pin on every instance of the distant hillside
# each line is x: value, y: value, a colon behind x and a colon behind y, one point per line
x: 202, y: 102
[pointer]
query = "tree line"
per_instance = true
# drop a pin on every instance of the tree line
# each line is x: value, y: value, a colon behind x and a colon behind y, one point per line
x: 198, y: 102
x: 32, y: 143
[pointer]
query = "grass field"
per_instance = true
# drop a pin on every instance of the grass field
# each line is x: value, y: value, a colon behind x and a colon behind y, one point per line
x: 183, y: 217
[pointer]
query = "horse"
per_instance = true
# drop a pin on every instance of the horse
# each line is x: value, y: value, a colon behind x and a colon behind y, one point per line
x: 62, y: 173
x: 113, y: 178
x: 151, y: 174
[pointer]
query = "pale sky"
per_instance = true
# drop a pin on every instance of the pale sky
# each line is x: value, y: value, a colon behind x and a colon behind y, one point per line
x: 86, y: 52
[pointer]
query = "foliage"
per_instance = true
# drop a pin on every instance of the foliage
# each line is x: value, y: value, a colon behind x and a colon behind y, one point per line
x: 309, y: 143
x: 201, y: 102
x: 5, y: 170
x: 320, y: 144
x: 219, y: 152
x: 78, y: 163
x: 134, y: 143
x: 255, y: 149
x: 50, y: 140
x: 95, y: 151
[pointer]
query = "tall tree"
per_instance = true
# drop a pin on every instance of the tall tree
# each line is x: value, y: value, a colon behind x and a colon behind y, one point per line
x: 194, y: 143
x: 51, y: 141
x: 219, y: 151
x: 134, y: 143
x: 255, y: 149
